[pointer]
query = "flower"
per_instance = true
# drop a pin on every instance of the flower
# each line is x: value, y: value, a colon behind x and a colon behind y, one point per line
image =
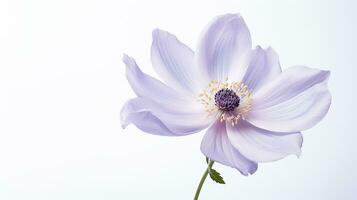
x: 253, y: 110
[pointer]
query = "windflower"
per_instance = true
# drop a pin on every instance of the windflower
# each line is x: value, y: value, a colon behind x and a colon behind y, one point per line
x: 253, y: 111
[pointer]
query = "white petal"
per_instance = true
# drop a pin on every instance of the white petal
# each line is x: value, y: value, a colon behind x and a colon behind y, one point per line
x: 174, y: 62
x: 295, y: 101
x: 161, y: 119
x: 260, y: 145
x: 224, y: 45
x: 263, y: 67
x: 216, y: 146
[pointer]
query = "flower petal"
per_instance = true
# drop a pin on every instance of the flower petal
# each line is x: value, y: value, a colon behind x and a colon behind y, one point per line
x: 260, y: 145
x: 151, y: 88
x: 216, y: 146
x: 161, y: 119
x: 174, y: 62
x: 263, y: 67
x: 295, y: 101
x: 224, y: 44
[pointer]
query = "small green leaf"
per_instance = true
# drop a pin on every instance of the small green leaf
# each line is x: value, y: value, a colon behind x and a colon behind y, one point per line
x: 207, y: 160
x: 216, y: 176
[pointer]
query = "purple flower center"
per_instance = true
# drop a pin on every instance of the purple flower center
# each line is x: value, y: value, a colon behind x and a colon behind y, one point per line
x: 226, y: 99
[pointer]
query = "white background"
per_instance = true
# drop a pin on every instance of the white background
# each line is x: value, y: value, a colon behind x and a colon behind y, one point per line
x: 62, y: 85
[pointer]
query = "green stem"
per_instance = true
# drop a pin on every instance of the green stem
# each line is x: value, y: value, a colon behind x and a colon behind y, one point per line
x: 210, y: 163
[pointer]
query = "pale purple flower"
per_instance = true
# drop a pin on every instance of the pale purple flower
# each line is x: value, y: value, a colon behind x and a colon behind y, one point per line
x: 254, y: 112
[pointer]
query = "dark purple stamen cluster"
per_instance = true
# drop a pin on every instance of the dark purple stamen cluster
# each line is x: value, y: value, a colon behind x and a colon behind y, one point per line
x: 226, y: 99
